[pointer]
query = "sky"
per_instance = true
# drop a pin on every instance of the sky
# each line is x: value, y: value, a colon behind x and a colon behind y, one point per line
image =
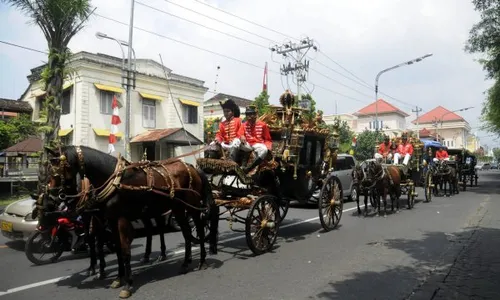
x: 362, y: 37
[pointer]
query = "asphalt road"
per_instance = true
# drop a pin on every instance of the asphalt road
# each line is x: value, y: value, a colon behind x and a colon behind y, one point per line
x: 366, y: 258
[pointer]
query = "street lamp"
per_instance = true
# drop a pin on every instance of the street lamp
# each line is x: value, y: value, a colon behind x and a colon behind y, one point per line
x: 410, y: 62
x: 125, y: 83
x: 446, y: 113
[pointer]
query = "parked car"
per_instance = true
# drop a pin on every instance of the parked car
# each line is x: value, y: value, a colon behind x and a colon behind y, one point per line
x: 494, y: 166
x: 343, y: 170
x: 16, y: 222
x: 486, y: 166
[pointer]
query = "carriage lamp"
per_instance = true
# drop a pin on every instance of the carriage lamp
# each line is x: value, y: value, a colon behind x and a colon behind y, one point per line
x: 285, y: 133
x: 305, y: 103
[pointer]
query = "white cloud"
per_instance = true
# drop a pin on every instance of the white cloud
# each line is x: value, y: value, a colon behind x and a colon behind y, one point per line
x: 364, y: 36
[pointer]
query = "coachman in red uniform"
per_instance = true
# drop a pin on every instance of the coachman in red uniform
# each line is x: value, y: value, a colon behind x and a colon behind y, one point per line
x: 229, y: 132
x: 255, y: 136
x: 384, y: 149
x: 441, y: 154
x: 405, y: 151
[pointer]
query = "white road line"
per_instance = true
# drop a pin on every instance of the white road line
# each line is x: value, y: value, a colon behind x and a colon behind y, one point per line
x: 174, y: 254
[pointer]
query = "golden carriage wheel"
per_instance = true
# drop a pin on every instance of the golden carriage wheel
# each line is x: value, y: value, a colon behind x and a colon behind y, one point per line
x: 330, y: 203
x: 428, y: 186
x: 262, y: 224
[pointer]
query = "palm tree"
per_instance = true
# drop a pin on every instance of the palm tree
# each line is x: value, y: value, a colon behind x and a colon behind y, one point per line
x: 59, y: 20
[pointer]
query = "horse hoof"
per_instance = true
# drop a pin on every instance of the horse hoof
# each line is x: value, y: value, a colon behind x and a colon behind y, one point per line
x: 161, y: 258
x: 212, y: 250
x: 202, y: 266
x: 116, y: 284
x: 144, y: 260
x: 91, y: 272
x: 101, y: 275
x: 385, y: 215
x: 125, y: 294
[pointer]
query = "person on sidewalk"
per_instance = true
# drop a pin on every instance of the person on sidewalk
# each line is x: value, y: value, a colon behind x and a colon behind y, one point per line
x: 229, y: 133
x: 384, y: 150
x: 405, y: 151
x: 441, y: 155
x: 255, y: 136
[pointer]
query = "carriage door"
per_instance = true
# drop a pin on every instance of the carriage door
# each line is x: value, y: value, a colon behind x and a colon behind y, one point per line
x: 150, y: 150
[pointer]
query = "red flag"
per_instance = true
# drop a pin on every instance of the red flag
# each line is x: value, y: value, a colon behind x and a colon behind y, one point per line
x: 264, y: 80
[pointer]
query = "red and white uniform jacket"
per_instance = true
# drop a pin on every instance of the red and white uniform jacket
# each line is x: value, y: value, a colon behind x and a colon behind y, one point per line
x: 257, y: 134
x: 384, y: 149
x: 229, y: 130
x: 442, y: 154
x: 404, y: 149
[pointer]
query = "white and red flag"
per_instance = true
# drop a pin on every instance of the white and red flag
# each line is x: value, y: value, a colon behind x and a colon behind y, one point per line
x: 115, y: 120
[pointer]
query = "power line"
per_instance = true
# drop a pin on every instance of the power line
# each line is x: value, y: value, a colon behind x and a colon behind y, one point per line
x: 23, y: 47
x: 246, y: 20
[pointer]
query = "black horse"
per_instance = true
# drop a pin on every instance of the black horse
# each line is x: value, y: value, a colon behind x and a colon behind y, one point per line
x: 127, y: 191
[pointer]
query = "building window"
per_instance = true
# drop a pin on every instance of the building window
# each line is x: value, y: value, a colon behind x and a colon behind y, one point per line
x: 190, y: 114
x: 67, y: 140
x: 66, y: 102
x: 106, y: 101
x: 148, y: 113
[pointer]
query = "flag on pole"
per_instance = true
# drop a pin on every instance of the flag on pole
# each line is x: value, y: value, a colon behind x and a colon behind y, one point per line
x: 264, y: 80
x: 115, y: 120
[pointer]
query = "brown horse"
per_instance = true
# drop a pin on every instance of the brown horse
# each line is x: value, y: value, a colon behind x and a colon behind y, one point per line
x: 127, y: 190
x: 386, y: 180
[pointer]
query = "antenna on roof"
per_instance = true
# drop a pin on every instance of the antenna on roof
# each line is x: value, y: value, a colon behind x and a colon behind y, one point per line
x: 216, y: 79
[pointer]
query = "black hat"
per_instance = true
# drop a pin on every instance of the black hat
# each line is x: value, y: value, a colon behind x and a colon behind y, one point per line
x: 231, y: 105
x: 251, y: 109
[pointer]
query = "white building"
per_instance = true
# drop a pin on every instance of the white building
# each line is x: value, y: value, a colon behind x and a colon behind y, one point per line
x: 451, y: 127
x: 391, y: 120
x: 154, y: 124
x: 212, y: 108
x: 351, y: 120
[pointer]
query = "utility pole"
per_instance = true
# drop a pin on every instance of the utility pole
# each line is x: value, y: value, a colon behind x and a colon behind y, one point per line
x: 417, y: 110
x: 301, y: 66
x: 130, y: 81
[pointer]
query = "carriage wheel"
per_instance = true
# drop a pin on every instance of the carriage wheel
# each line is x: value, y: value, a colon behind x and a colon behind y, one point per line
x: 330, y: 203
x: 428, y: 187
x: 283, y: 206
x: 261, y: 224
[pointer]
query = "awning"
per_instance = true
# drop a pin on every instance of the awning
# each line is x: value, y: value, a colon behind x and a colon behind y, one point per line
x: 108, y: 88
x: 150, y: 96
x: 189, y: 102
x: 64, y: 132
x: 67, y: 85
x: 105, y: 132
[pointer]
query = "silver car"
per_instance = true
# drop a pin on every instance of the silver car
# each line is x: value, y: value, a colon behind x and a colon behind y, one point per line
x: 343, y: 170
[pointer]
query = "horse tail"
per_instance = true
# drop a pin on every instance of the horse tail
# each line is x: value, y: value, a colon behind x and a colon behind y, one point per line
x: 213, y: 211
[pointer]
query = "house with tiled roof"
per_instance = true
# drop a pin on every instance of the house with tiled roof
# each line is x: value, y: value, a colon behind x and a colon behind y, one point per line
x: 212, y: 108
x: 452, y: 128
x: 10, y: 108
x: 391, y: 120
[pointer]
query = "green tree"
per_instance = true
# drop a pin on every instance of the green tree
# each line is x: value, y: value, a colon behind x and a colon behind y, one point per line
x: 15, y: 130
x: 484, y: 38
x: 365, y: 144
x: 59, y: 21
x: 345, y: 136
x: 262, y: 102
x: 496, y: 154
x: 308, y: 115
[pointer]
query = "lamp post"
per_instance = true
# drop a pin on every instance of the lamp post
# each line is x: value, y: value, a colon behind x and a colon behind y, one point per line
x: 446, y: 113
x: 125, y: 83
x: 410, y: 62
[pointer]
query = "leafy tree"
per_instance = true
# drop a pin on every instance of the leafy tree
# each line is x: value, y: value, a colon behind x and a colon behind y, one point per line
x: 365, y: 144
x: 345, y: 136
x: 59, y: 21
x: 15, y: 130
x: 496, y: 154
x: 484, y: 38
x: 262, y: 102
x: 210, y: 126
x: 308, y: 115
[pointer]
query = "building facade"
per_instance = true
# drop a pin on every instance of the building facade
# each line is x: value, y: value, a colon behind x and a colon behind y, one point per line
x: 451, y: 127
x: 155, y: 103
x: 391, y: 120
x: 351, y: 120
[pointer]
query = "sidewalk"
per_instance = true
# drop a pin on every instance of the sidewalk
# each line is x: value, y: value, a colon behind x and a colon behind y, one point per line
x: 472, y: 269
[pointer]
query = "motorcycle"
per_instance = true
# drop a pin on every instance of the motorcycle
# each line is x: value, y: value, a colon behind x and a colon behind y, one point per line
x: 58, y: 232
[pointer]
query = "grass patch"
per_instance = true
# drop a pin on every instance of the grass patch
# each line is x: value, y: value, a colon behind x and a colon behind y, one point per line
x: 7, y: 199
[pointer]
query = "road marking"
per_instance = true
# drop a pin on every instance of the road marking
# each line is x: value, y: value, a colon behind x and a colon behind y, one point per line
x: 174, y: 255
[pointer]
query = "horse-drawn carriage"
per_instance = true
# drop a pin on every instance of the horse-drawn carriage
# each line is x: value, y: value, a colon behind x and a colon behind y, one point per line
x: 301, y: 152
x: 469, y: 172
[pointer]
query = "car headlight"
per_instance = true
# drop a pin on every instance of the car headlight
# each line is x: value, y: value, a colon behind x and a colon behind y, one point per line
x: 28, y: 217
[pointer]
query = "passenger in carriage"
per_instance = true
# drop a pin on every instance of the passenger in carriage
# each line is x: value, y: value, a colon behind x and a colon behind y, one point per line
x: 384, y: 150
x: 441, y: 155
x: 405, y: 151
x: 255, y: 136
x: 229, y: 133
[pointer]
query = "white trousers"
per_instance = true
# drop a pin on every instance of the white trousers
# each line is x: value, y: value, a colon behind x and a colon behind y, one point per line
x: 260, y: 149
x: 397, y: 157
x: 437, y: 159
x: 380, y: 156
